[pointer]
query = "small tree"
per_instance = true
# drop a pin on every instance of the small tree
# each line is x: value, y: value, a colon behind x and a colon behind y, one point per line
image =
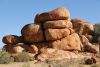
x: 97, y: 28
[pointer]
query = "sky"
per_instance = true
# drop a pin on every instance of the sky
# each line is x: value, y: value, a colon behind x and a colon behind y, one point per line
x: 14, y: 14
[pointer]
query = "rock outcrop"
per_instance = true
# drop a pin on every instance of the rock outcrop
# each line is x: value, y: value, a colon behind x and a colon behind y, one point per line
x: 53, y: 36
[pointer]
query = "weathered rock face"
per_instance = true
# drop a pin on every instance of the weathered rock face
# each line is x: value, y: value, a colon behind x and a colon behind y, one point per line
x: 71, y: 42
x: 11, y: 39
x: 33, y: 49
x: 41, y: 45
x: 57, y: 24
x: 82, y: 27
x: 55, y: 34
x: 57, y: 14
x: 54, y: 54
x: 89, y: 37
x: 87, y: 46
x: 13, y: 48
x: 32, y: 33
x: 77, y: 20
x: 91, y: 48
x: 18, y: 49
x: 84, y: 40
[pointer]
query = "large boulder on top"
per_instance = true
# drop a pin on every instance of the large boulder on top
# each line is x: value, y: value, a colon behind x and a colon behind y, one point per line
x: 32, y: 33
x: 56, y: 14
x: 54, y: 54
x: 57, y: 24
x: 71, y: 42
x: 55, y: 34
x: 11, y: 39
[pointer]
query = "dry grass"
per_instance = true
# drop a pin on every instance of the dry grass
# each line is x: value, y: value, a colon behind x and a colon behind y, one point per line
x: 22, y: 57
x: 4, y: 57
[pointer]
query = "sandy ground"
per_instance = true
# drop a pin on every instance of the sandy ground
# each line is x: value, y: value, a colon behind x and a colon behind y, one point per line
x: 41, y: 64
x: 21, y: 64
x: 61, y: 63
x: 31, y: 65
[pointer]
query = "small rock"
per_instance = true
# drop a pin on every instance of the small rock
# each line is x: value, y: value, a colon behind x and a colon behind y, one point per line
x: 90, y: 61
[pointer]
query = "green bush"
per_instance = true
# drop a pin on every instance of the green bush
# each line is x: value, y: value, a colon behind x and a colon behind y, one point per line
x: 97, y: 32
x: 97, y: 28
x: 4, y: 57
x: 22, y: 57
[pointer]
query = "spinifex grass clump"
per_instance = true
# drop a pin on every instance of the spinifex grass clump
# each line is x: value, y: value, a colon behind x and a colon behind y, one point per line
x: 22, y: 57
x: 4, y: 57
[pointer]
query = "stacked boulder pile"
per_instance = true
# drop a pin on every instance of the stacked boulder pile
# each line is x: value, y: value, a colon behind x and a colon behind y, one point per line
x: 87, y: 33
x: 53, y: 36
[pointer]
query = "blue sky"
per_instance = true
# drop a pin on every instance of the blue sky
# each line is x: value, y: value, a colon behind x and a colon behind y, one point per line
x: 14, y: 14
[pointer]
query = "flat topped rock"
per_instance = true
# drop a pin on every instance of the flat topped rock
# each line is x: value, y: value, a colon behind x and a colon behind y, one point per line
x: 57, y: 24
x: 56, y: 14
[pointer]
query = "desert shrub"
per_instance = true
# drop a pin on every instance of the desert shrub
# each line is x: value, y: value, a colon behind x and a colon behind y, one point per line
x: 22, y: 57
x: 4, y: 57
x: 97, y: 28
x: 97, y: 33
x: 26, y: 65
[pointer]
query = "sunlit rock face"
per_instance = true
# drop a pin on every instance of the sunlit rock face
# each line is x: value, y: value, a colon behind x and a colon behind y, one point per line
x: 55, y: 36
